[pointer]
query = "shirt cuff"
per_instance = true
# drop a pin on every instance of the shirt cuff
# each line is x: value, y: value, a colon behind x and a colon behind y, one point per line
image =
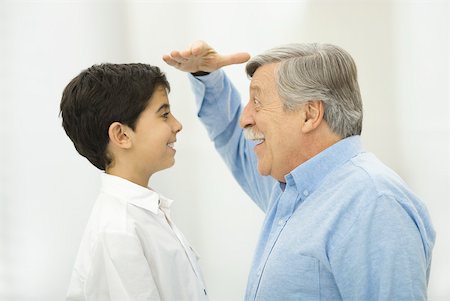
x: 206, y: 87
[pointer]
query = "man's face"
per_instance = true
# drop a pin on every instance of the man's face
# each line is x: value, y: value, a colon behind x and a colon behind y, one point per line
x: 278, y: 132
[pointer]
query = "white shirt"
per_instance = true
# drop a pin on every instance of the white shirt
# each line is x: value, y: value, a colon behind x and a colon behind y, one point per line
x: 131, y: 250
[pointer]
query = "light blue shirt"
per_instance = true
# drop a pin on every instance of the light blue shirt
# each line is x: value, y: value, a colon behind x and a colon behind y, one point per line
x: 343, y: 227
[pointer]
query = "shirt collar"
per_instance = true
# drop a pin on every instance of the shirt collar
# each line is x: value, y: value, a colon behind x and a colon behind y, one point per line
x: 135, y: 194
x: 309, y: 174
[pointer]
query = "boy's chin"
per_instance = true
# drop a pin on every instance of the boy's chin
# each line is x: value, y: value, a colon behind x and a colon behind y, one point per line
x: 169, y: 164
x: 172, y: 164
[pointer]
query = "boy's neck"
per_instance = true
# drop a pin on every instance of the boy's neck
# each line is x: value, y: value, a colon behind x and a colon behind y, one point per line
x: 129, y: 174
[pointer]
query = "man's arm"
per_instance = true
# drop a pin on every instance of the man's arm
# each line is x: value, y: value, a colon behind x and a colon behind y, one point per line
x: 220, y: 107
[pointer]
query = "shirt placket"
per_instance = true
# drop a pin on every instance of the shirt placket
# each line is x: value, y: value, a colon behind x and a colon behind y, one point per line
x: 286, y: 204
x: 190, y: 254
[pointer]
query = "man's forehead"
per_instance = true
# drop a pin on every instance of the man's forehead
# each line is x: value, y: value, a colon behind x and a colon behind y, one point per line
x: 260, y: 84
x: 262, y: 76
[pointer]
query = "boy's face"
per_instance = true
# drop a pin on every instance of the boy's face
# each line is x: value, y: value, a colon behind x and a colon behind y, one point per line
x: 155, y: 135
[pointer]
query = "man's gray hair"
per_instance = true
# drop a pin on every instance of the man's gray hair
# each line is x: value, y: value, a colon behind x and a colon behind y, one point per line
x: 309, y: 72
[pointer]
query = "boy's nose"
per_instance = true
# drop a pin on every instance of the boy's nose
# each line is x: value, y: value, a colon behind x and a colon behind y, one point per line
x: 177, y: 126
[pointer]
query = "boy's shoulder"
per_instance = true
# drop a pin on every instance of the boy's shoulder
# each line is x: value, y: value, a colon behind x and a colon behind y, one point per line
x: 109, y: 215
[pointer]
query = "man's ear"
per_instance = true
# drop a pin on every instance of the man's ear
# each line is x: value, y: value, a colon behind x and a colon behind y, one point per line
x: 313, y: 114
x: 119, y: 135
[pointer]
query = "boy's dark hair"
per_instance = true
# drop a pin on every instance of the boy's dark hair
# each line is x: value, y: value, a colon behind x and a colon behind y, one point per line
x: 101, y: 95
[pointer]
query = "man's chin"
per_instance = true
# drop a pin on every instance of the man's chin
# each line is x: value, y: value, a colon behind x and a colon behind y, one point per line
x: 263, y: 171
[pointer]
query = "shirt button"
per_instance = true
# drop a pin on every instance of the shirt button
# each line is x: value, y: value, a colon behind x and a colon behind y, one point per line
x: 305, y: 192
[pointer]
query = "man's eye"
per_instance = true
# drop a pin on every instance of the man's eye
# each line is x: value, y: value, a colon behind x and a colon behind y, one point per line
x: 165, y: 115
x: 257, y: 103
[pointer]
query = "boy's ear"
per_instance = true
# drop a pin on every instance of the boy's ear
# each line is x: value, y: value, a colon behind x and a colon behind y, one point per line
x: 313, y: 114
x: 119, y: 135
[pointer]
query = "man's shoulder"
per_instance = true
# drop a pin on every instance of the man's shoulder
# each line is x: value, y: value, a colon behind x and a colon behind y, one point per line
x: 357, y: 184
x: 374, y: 174
x: 365, y: 172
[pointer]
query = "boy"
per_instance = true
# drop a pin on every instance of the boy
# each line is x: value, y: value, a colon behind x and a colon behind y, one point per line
x: 118, y: 117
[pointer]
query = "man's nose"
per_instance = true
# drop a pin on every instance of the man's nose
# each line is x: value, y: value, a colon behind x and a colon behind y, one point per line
x: 247, y: 116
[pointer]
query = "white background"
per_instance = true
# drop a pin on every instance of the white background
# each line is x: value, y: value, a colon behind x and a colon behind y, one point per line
x: 47, y: 189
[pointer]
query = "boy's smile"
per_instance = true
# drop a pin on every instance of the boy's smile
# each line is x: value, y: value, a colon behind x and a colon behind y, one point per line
x: 155, y: 135
x: 150, y: 147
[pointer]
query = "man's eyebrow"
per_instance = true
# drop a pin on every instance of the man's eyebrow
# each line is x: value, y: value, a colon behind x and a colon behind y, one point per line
x: 255, y: 88
x: 163, y: 107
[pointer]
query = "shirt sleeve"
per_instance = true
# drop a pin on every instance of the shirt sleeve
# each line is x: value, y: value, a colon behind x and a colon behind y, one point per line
x: 120, y: 271
x: 382, y: 257
x: 219, y: 109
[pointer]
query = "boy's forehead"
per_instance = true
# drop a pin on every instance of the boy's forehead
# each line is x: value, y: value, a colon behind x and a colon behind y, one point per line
x: 160, y: 89
x: 159, y: 97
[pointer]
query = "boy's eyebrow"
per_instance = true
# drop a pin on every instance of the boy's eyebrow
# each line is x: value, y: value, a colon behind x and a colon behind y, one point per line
x: 163, y: 106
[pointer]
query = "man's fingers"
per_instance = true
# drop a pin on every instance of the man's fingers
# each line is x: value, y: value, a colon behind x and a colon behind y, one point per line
x: 236, y: 58
x: 168, y: 59
x: 187, y: 54
x: 198, y: 47
x: 177, y: 56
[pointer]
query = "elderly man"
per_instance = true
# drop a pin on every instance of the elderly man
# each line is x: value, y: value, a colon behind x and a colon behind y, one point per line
x: 339, y: 225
